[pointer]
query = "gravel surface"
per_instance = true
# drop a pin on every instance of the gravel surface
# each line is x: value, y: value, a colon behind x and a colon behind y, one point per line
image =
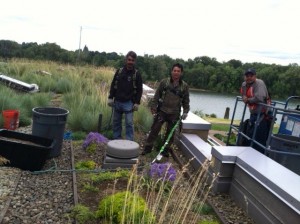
x: 9, y: 178
x: 48, y: 197
x: 227, y: 209
x: 44, y: 197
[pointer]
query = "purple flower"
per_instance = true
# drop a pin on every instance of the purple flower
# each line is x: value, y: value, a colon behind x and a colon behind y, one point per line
x: 93, y: 137
x: 162, y: 170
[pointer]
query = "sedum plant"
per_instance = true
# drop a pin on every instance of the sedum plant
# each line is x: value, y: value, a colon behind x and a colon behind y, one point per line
x: 124, y: 207
x: 85, y: 165
x: 82, y: 214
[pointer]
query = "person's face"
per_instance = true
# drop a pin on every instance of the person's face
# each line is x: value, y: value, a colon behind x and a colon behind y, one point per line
x: 130, y: 61
x: 250, y: 78
x: 176, y: 73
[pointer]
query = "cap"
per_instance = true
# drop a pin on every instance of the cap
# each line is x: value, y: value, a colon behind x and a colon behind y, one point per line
x: 250, y: 70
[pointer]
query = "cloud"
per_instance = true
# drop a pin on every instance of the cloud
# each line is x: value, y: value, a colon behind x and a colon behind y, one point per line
x: 233, y: 29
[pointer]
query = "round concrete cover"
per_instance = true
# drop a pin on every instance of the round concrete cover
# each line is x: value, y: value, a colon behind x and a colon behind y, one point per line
x: 124, y: 149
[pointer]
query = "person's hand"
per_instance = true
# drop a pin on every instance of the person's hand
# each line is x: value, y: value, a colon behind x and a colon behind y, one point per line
x: 110, y: 102
x: 184, y: 116
x: 245, y: 99
x: 135, y: 107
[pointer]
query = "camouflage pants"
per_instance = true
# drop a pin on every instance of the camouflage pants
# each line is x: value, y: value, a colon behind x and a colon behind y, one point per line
x: 159, y: 120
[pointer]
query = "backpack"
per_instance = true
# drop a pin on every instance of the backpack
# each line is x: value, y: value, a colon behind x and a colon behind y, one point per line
x: 166, y: 87
x: 133, y: 80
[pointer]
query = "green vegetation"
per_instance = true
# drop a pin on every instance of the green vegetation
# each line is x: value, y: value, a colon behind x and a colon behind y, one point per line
x: 201, y: 72
x: 90, y: 187
x: 104, y: 176
x: 209, y: 222
x: 124, y: 207
x: 10, y: 100
x: 85, y: 165
x: 204, y: 209
x: 82, y: 90
x: 78, y: 135
x: 92, y: 147
x: 220, y: 127
x: 150, y: 202
x: 82, y: 214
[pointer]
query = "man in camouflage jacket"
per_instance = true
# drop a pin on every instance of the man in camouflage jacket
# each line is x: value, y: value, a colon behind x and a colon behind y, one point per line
x: 171, y: 95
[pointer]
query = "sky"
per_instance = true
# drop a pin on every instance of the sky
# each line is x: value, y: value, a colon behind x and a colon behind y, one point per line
x: 265, y: 31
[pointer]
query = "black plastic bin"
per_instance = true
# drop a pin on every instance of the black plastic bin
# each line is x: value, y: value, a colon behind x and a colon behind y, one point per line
x: 286, y: 151
x: 25, y: 151
x: 50, y: 122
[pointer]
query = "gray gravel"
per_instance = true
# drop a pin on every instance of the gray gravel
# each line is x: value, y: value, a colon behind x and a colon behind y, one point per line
x: 45, y: 197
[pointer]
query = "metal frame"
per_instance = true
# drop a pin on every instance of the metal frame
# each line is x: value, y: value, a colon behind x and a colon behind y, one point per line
x: 275, y: 111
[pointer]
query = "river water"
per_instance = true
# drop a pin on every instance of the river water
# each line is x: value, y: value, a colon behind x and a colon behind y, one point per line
x: 213, y: 103
x: 216, y: 103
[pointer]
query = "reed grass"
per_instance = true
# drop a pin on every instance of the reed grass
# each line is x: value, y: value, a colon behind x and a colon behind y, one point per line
x: 84, y: 92
x: 175, y: 205
x: 83, y: 89
x: 171, y: 202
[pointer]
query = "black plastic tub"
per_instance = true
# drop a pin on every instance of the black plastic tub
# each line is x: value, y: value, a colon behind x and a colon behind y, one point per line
x: 25, y: 151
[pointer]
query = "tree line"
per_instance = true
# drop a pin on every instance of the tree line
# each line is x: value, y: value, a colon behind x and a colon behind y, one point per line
x: 201, y: 72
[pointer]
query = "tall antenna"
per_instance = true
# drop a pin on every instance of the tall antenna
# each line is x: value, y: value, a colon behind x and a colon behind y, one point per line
x: 79, y: 42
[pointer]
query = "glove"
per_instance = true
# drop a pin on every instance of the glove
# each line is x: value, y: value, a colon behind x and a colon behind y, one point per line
x: 110, y: 102
x: 135, y: 107
x: 184, y: 116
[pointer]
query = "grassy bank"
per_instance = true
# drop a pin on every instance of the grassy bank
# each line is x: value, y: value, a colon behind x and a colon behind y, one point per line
x: 220, y: 124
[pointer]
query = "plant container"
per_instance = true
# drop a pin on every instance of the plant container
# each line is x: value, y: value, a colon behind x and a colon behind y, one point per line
x: 25, y: 151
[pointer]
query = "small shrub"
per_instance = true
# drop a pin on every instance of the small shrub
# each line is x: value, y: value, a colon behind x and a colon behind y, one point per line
x: 93, y: 137
x: 64, y: 85
x: 82, y: 214
x: 213, y: 115
x: 92, y: 147
x: 78, y: 135
x: 203, y: 209
x: 108, y: 134
x: 97, y: 178
x: 221, y: 137
x: 162, y: 171
x: 199, y: 113
x: 160, y: 177
x: 85, y: 165
x: 92, y: 140
x: 124, y: 207
x: 89, y: 187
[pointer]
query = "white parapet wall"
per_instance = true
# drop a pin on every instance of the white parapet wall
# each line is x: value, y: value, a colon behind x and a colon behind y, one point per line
x: 148, y: 93
x: 266, y: 190
x: 194, y: 124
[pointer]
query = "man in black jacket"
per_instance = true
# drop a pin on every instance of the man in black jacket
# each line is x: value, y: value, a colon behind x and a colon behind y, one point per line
x: 125, y: 95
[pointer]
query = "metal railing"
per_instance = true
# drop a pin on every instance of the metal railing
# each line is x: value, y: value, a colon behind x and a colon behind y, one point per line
x: 273, y: 111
